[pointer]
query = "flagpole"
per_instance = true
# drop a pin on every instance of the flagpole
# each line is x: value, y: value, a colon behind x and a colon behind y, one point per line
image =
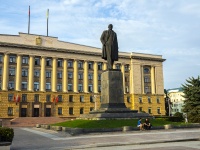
x: 47, y: 20
x: 29, y: 20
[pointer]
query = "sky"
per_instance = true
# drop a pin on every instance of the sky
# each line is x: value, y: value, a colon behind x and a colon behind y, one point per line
x: 170, y: 28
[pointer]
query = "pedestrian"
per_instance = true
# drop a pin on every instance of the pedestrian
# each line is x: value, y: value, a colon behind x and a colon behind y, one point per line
x: 140, y: 125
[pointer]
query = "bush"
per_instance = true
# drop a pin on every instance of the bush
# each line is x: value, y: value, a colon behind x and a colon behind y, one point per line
x: 6, y: 134
x: 178, y: 117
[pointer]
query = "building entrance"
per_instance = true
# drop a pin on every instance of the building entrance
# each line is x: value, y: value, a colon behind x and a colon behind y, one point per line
x: 48, y: 112
x: 23, y: 112
x: 36, y: 112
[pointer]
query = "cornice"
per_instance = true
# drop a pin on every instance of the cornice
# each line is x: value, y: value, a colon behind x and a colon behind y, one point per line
x: 148, y: 58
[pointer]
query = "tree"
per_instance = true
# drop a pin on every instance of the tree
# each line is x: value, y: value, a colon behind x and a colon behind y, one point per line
x: 191, y: 107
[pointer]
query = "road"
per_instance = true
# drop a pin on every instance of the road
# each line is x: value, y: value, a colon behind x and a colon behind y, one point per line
x: 42, y: 139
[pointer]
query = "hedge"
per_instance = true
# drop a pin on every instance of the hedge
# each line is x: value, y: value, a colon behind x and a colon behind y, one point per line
x: 6, y: 134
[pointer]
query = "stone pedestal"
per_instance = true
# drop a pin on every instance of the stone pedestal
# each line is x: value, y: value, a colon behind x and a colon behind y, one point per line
x: 112, y: 95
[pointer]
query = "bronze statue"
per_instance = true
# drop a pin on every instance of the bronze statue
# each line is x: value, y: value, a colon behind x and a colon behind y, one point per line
x: 110, y: 46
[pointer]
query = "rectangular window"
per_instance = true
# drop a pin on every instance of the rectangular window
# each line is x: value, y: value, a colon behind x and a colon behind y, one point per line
x: 158, y: 100
x: 48, y: 62
x: 70, y: 63
x: 36, y: 98
x: 99, y: 66
x: 126, y: 68
x: 128, y: 99
x: 59, y: 86
x: 91, y: 108
x: 12, y: 59
x: 10, y: 111
x: 80, y: 76
x: 117, y: 66
x: 80, y: 64
x: 11, y: 85
x: 24, y: 72
x: 81, y: 110
x: 59, y: 110
x: 24, y: 60
x: 91, y: 99
x: 71, y: 110
x: 81, y: 98
x: 36, y: 73
x: 36, y: 86
x: 90, y: 65
x: 59, y: 63
x: 99, y: 77
x: 24, y: 97
x: 48, y: 86
x: 48, y: 74
x: 140, y: 100
x: 90, y: 89
x: 71, y: 98
x: 149, y: 110
x: 0, y: 71
x: 140, y: 109
x: 149, y: 99
x: 48, y: 98
x: 80, y: 87
x: 10, y: 97
x: 147, y: 89
x: 70, y: 87
x: 1, y: 58
x: 59, y: 75
x: 158, y: 110
x: 24, y: 85
x: 12, y: 71
x: 90, y: 76
x: 99, y: 88
x: 127, y: 89
x: 37, y: 61
x: 126, y: 79
x: 59, y: 98
x: 147, y: 79
x: 70, y: 75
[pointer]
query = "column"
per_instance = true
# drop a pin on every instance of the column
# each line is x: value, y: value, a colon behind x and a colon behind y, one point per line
x: 54, y: 75
x: 5, y: 72
x: 142, y: 79
x: 65, y: 76
x: 75, y: 75
x: 19, y: 73
x: 123, y: 76
x: 131, y: 79
x: 43, y: 75
x: 31, y: 73
x: 104, y: 65
x: 152, y: 79
x: 95, y: 79
x: 85, y: 79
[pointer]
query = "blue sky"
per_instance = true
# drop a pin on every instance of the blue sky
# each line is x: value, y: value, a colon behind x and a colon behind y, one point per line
x: 170, y: 28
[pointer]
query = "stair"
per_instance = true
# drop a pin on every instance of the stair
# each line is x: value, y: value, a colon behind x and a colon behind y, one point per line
x: 32, y: 121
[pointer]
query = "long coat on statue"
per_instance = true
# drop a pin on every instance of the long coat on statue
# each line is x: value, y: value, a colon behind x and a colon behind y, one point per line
x: 109, y: 41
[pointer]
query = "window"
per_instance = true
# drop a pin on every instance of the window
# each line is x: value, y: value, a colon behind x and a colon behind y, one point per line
x: 48, y: 62
x: 149, y: 110
x: 12, y: 71
x: 99, y: 77
x: 24, y: 97
x: 80, y: 64
x: 140, y: 109
x: 48, y: 74
x: 127, y: 89
x: 59, y: 63
x: 158, y: 100
x: 36, y: 98
x: 90, y: 88
x: 71, y: 110
x: 10, y: 111
x: 48, y: 86
x: 81, y: 110
x: 12, y: 59
x: 99, y: 66
x: 80, y: 76
x: 10, y: 97
x: 140, y: 99
x: 71, y: 98
x: 70, y: 88
x: 59, y: 110
x: 24, y: 72
x: 117, y: 66
x: 24, y: 85
x: 24, y: 60
x: 36, y: 73
x: 0, y: 71
x: 158, y: 110
x: 81, y: 98
x: 70, y: 75
x: 59, y: 98
x: 70, y: 63
x: 80, y: 87
x: 11, y: 85
x: 126, y: 79
x: 1, y: 58
x: 90, y: 76
x: 147, y: 89
x: 59, y: 75
x: 99, y: 88
x: 146, y: 70
x: 48, y: 98
x: 36, y: 86
x: 147, y: 79
x: 126, y: 68
x: 91, y: 108
x: 128, y: 99
x: 37, y: 61
x: 149, y: 99
x: 91, y: 99
x: 90, y: 65
x: 59, y: 86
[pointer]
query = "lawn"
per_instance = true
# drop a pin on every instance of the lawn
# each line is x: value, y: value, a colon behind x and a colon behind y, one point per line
x: 112, y: 123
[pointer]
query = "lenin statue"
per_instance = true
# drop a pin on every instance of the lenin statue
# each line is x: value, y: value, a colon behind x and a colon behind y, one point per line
x: 110, y: 46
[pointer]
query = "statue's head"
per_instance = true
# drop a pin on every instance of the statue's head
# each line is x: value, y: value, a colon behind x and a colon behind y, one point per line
x: 110, y: 26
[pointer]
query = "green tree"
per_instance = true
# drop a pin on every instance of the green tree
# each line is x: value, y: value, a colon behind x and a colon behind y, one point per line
x: 191, y: 89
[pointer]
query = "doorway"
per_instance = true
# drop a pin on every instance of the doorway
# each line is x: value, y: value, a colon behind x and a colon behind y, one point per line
x: 36, y: 112
x: 23, y: 112
x: 48, y: 112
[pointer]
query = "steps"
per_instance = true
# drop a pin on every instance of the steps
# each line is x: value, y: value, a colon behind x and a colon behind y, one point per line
x: 32, y: 121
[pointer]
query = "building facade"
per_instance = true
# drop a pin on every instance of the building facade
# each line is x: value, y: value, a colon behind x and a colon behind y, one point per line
x: 42, y: 76
x: 176, y: 100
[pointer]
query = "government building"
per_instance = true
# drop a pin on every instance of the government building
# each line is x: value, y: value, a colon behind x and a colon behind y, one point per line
x: 41, y: 76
